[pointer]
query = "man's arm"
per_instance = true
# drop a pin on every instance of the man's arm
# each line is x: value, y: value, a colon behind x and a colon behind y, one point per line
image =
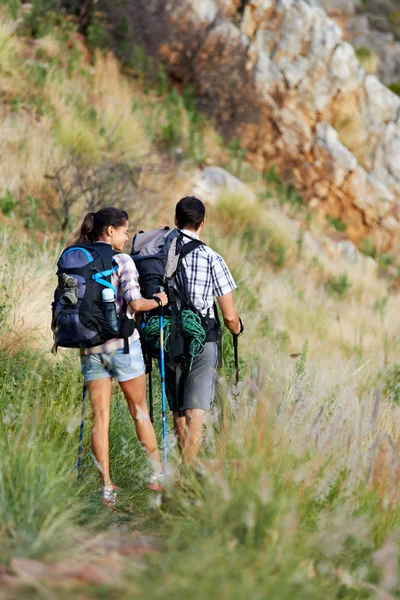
x: 230, y: 313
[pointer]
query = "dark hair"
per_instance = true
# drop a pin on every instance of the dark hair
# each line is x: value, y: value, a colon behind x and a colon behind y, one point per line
x: 190, y: 212
x: 95, y: 223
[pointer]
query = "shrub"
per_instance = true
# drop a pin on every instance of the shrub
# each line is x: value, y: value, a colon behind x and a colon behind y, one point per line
x: 13, y: 7
x: 367, y: 247
x: 385, y: 260
x: 286, y: 194
x: 7, y: 203
x: 237, y: 154
x: 338, y: 286
x: 391, y: 383
x: 368, y: 60
x: 337, y: 223
x: 363, y: 52
x: 395, y: 87
x: 96, y: 35
x: 271, y: 176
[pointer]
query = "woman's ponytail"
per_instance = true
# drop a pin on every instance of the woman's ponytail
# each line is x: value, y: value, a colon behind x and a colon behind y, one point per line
x: 95, y: 223
x: 87, y: 227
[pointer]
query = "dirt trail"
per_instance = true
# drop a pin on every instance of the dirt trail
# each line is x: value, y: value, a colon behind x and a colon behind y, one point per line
x: 103, y: 561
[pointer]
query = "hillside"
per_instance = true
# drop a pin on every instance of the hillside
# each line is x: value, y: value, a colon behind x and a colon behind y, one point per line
x: 297, y: 493
x: 280, y: 77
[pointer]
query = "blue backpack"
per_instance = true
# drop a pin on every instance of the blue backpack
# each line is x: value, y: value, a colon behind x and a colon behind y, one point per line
x: 78, y: 319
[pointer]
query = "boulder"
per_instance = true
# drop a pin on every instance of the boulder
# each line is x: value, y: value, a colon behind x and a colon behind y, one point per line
x: 209, y: 182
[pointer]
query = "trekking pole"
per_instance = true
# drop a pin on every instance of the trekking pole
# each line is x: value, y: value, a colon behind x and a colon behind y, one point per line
x: 236, y: 350
x: 82, y: 428
x: 236, y: 354
x: 163, y: 394
x: 150, y: 370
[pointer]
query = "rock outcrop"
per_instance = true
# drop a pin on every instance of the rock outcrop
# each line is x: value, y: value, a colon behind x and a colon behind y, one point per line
x: 278, y: 75
x: 373, y: 28
x: 209, y: 182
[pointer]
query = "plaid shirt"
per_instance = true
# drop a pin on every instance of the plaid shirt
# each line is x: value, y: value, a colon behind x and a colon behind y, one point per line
x: 126, y: 282
x: 207, y: 276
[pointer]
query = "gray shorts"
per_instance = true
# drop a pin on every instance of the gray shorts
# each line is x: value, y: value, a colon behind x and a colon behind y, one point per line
x: 197, y: 388
x: 117, y: 364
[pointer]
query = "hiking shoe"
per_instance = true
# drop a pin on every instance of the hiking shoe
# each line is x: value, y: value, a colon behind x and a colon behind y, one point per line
x: 156, y: 482
x: 109, y: 495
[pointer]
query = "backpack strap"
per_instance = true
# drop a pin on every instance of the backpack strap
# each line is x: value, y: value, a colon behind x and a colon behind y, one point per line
x: 182, y: 293
x: 126, y: 326
x: 100, y: 275
x: 189, y: 247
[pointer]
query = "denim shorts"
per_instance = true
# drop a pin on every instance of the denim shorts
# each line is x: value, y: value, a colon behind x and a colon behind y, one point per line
x: 117, y: 364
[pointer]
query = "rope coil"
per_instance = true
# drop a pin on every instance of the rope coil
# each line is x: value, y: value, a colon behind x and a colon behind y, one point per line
x: 192, y: 330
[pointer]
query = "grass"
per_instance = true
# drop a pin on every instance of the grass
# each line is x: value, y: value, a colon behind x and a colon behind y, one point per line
x: 368, y: 60
x: 284, y: 506
x: 62, y: 106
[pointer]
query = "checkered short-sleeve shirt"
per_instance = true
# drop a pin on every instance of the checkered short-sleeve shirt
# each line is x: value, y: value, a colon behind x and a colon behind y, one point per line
x: 126, y: 283
x: 207, y: 275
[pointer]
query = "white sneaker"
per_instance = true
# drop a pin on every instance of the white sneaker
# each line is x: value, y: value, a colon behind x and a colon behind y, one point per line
x: 156, y: 482
x: 109, y: 495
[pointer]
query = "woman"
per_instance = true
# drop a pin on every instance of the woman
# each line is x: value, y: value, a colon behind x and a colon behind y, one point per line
x: 101, y: 364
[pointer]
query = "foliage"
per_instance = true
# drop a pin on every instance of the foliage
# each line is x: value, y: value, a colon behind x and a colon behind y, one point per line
x: 338, y: 286
x: 367, y: 247
x: 285, y: 193
x: 109, y: 184
x: 337, y: 223
x: 391, y: 383
x: 7, y: 203
x: 395, y: 87
x: 363, y: 52
x: 97, y: 35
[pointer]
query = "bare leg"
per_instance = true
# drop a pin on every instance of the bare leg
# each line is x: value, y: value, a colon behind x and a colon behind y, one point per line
x: 194, y: 433
x: 100, y: 399
x: 180, y: 429
x: 135, y: 393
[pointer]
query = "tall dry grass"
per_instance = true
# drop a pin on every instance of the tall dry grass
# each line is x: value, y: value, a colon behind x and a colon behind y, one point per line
x: 27, y: 282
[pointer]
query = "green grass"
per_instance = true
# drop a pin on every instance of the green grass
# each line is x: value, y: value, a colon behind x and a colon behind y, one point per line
x: 268, y: 522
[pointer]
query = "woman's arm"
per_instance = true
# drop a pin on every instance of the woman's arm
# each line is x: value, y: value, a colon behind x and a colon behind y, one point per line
x: 143, y: 305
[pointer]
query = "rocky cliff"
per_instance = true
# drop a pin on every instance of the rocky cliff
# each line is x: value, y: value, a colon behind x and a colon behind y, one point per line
x: 278, y: 75
x: 373, y: 28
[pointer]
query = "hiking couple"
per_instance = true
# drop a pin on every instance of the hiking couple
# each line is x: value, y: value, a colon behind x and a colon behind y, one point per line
x: 207, y: 276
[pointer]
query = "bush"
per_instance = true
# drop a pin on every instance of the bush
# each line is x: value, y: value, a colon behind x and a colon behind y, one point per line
x: 97, y: 35
x: 367, y: 247
x: 7, y: 203
x: 13, y: 7
x: 395, y: 87
x: 338, y: 286
x: 286, y: 194
x: 362, y: 52
x: 337, y: 223
x: 391, y: 383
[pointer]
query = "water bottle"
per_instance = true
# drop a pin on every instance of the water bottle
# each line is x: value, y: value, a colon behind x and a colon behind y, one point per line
x: 110, y: 310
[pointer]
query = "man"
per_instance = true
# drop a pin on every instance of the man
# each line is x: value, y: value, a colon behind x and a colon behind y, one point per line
x: 207, y: 277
